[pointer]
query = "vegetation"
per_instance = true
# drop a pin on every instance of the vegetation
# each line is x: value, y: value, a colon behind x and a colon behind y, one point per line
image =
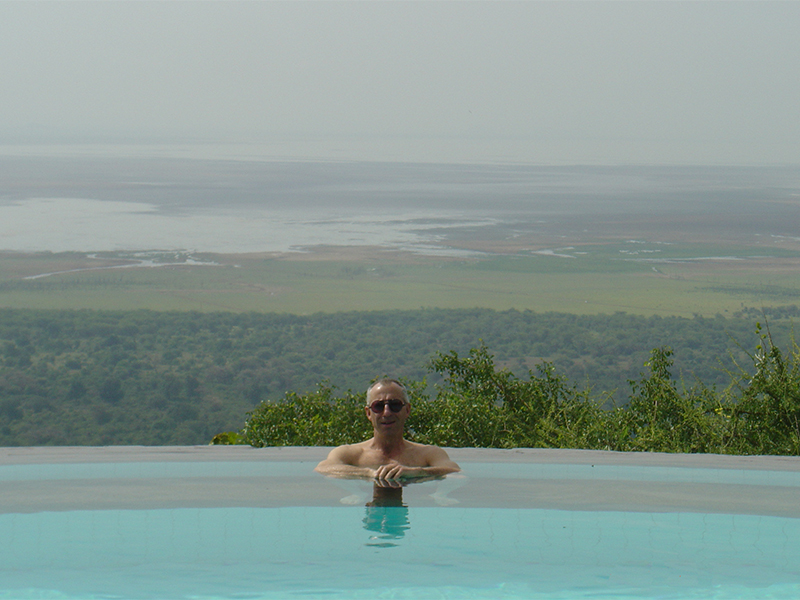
x: 145, y: 377
x: 481, y: 406
x: 512, y: 271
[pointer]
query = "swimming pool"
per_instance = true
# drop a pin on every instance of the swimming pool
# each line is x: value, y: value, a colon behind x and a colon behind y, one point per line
x: 211, y: 523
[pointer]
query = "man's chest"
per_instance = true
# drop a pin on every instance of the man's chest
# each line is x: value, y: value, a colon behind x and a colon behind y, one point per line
x: 376, y: 459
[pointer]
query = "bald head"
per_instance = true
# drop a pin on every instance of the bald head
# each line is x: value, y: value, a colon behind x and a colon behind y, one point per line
x: 386, y: 382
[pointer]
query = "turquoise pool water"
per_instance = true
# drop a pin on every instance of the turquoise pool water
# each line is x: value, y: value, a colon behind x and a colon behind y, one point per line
x: 251, y: 530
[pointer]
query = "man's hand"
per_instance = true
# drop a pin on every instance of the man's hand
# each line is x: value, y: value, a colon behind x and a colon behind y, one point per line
x: 394, y: 470
x: 389, y: 483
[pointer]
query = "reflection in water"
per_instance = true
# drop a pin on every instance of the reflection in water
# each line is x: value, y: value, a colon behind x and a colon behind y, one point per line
x: 386, y: 515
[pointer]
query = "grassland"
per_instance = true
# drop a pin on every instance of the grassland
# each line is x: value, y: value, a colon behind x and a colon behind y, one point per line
x: 581, y: 277
x: 584, y: 240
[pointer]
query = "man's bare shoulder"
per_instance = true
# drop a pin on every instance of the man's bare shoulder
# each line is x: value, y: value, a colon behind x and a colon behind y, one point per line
x: 430, y: 455
x: 349, y: 450
x: 424, y: 448
x: 347, y: 454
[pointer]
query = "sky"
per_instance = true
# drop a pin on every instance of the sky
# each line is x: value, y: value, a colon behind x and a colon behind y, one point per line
x: 712, y: 83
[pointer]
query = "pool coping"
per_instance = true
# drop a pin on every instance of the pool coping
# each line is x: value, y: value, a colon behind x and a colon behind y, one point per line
x: 166, y: 477
x: 103, y: 454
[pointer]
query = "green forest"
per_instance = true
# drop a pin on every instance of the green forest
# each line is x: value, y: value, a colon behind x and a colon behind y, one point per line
x: 84, y: 377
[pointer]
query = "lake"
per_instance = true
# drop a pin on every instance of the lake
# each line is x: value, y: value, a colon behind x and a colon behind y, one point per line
x: 126, y: 203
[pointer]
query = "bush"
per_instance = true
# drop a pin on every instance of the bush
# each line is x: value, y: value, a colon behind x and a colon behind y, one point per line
x: 479, y: 406
x: 766, y: 417
x: 659, y: 418
x: 315, y: 419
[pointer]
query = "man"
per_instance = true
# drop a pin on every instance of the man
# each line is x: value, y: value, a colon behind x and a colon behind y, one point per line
x: 387, y: 455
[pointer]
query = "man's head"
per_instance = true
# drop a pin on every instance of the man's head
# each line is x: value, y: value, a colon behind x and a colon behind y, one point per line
x: 387, y: 405
x: 387, y: 382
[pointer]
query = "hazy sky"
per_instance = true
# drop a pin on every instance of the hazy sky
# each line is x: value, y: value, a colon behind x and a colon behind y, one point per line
x: 547, y: 82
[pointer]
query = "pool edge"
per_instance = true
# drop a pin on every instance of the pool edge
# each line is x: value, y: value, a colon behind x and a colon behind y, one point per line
x: 101, y: 454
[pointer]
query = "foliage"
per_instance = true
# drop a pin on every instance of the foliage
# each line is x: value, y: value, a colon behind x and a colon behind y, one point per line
x: 480, y: 406
x: 660, y: 418
x: 145, y: 377
x: 228, y: 438
x: 314, y: 419
x: 767, y: 416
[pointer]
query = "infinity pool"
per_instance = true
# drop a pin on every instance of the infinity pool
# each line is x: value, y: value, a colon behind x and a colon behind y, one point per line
x: 240, y: 523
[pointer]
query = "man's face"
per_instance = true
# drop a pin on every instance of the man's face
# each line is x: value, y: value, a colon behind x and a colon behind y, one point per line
x: 386, y: 420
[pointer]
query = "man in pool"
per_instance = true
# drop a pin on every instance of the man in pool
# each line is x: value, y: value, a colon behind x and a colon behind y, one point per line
x: 387, y: 456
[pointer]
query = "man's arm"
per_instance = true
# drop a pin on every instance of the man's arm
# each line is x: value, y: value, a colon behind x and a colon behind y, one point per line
x: 439, y: 465
x: 341, y: 463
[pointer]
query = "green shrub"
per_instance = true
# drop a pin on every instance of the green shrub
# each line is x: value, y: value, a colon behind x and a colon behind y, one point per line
x: 466, y: 411
x: 660, y: 418
x: 766, y: 417
x: 315, y: 419
x: 479, y: 406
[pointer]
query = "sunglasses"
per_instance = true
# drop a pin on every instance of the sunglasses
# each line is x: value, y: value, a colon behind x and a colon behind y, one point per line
x: 394, y: 405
